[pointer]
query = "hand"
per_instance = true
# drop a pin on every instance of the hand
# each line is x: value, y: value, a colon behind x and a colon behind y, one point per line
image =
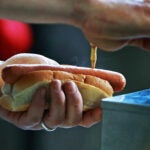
x: 113, y: 24
x: 65, y: 110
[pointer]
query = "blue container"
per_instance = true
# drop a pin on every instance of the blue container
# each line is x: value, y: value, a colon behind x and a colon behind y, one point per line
x: 126, y: 122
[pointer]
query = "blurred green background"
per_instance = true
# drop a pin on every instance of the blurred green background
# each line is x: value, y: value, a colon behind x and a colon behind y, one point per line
x: 67, y: 45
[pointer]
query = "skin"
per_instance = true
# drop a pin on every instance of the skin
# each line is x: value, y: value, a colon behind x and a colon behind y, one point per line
x: 108, y: 24
x: 113, y: 24
x: 66, y: 107
x: 65, y: 110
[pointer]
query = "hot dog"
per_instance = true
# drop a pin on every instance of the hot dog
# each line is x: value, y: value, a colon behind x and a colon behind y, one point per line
x: 22, y: 80
x: 12, y: 72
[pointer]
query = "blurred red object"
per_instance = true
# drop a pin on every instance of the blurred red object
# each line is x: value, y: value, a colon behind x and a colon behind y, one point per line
x: 15, y: 37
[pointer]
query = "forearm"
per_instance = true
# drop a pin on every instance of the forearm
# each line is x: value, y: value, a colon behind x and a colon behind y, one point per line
x: 38, y: 11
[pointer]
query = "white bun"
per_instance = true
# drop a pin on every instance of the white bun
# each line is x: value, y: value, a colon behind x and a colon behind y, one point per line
x: 18, y: 97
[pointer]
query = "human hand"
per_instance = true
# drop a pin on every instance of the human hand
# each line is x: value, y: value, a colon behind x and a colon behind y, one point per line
x: 113, y: 24
x: 65, y: 110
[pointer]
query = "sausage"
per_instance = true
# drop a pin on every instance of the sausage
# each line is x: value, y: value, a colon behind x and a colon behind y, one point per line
x: 12, y: 72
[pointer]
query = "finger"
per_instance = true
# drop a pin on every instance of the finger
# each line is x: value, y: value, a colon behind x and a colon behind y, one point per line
x: 142, y: 42
x: 91, y: 117
x: 109, y: 44
x: 74, y: 104
x: 8, y: 115
x: 35, y: 112
x: 112, y: 45
x: 56, y: 114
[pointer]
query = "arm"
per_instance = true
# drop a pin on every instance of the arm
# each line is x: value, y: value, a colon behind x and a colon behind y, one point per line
x: 38, y: 11
x: 109, y: 24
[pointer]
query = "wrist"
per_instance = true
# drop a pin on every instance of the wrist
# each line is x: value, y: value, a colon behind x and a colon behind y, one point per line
x: 71, y: 12
x: 79, y: 14
x: 63, y: 11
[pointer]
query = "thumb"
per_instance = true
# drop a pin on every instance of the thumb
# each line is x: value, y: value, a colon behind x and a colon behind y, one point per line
x: 110, y: 44
x: 142, y: 42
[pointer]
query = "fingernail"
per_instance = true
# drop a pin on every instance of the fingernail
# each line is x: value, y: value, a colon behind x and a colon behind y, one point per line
x: 71, y: 87
x: 56, y: 85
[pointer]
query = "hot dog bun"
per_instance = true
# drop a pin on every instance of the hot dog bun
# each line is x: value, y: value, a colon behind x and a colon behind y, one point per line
x: 18, y: 95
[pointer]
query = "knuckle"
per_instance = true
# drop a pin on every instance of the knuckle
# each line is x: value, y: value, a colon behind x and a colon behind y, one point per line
x: 56, y: 122
x: 52, y: 122
x: 29, y: 123
x: 73, y: 123
x: 35, y: 120
x: 86, y: 125
x: 60, y: 101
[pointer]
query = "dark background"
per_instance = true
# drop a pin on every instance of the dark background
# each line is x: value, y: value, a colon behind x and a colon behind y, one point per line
x: 67, y: 45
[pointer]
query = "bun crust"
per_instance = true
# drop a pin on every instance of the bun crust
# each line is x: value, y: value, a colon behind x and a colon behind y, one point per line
x: 17, y: 97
